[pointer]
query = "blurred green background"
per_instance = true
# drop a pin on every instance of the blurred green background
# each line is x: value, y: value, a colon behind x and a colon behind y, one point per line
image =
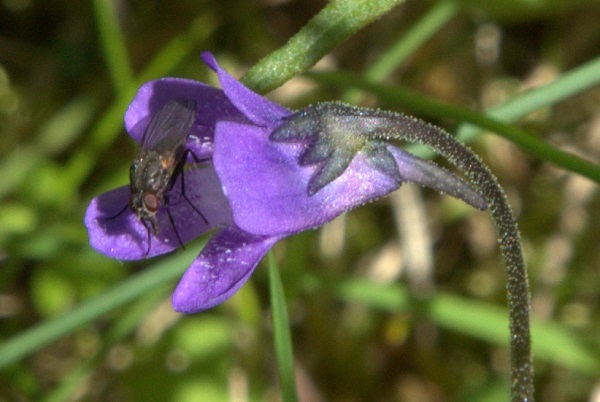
x: 401, y: 300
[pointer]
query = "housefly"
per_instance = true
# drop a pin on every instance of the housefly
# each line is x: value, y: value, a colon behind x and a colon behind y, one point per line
x: 159, y: 162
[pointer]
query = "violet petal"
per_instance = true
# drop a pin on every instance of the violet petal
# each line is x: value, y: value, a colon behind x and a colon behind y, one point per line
x: 267, y: 189
x: 123, y: 236
x: 223, y: 266
x: 257, y: 108
x: 212, y: 106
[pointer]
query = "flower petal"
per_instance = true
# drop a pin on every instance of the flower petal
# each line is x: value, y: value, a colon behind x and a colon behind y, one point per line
x: 268, y: 190
x: 212, y: 106
x: 257, y: 108
x: 429, y: 174
x: 223, y: 266
x: 114, y: 230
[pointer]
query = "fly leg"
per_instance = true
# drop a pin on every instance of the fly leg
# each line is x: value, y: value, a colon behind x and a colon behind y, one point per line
x: 172, y: 221
x: 148, y: 228
x: 110, y: 218
x: 179, y: 169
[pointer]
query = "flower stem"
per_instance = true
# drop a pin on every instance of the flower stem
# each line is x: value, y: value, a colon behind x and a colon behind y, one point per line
x: 331, y: 26
x: 335, y: 132
x: 509, y: 238
x: 414, y: 130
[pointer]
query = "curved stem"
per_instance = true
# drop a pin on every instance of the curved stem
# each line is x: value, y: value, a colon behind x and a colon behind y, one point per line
x: 328, y: 128
x: 414, y: 130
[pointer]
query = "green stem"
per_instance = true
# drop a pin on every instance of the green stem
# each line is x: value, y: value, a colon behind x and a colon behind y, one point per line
x: 433, y: 108
x: 414, y: 130
x: 335, y: 23
x: 331, y: 125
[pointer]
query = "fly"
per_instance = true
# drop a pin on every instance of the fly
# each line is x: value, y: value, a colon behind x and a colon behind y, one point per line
x: 159, y: 162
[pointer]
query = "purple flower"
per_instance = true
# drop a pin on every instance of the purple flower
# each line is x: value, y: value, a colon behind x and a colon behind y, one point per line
x: 273, y: 173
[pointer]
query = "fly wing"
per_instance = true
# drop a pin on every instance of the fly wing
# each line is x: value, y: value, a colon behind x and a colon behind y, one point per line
x: 170, y: 126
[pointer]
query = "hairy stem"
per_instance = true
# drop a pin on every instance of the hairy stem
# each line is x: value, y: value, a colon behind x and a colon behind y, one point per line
x: 414, y: 130
x: 335, y: 132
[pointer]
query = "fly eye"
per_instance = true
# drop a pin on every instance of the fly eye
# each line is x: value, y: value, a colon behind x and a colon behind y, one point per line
x: 151, y: 202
